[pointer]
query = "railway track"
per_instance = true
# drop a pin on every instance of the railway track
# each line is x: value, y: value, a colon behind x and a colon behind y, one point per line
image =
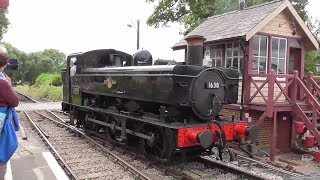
x: 83, y: 157
x: 25, y: 98
x: 250, y: 168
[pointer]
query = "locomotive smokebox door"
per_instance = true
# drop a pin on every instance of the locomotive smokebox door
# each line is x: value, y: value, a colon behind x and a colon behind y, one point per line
x: 208, y: 94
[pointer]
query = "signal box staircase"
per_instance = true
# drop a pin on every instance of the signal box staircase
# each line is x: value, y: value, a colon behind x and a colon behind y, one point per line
x: 300, y: 96
x: 307, y: 106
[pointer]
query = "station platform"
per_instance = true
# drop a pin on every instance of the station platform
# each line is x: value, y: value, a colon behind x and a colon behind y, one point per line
x: 32, y: 160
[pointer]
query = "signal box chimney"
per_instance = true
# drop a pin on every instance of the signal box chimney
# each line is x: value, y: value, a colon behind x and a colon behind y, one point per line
x: 195, y: 50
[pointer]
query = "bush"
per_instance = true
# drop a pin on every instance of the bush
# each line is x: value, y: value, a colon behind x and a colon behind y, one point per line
x: 46, y: 92
x: 56, y: 80
x: 49, y: 79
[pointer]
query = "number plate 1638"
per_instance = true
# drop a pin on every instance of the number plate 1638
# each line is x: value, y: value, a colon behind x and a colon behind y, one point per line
x: 212, y: 85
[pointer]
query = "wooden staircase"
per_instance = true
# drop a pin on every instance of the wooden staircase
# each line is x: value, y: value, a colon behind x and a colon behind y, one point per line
x: 306, y: 104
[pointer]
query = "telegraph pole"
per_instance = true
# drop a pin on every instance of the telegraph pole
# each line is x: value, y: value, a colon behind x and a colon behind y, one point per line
x: 138, y: 34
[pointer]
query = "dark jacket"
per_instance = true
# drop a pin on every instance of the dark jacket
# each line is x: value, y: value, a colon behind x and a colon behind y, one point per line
x: 7, y: 96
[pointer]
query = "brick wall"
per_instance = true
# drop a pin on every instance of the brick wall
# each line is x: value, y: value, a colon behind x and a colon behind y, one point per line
x: 265, y: 129
x: 264, y: 132
x: 227, y: 113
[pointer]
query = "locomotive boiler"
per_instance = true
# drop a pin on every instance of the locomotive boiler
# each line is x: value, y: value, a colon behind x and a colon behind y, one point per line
x: 161, y: 110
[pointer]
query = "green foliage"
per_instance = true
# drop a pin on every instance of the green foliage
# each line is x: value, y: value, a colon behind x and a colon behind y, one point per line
x: 49, y: 79
x: 191, y: 13
x: 56, y: 80
x: 19, y: 76
x: 45, y: 92
x: 33, y: 64
x: 312, y: 58
x: 300, y: 5
x: 4, y: 22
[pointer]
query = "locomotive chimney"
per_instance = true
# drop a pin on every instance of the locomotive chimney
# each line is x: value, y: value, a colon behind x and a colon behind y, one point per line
x: 195, y: 50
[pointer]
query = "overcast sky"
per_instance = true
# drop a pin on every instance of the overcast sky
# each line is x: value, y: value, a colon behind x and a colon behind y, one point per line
x: 81, y: 25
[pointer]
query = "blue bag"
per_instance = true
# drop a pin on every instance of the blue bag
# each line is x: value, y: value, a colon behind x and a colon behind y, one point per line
x: 8, y: 137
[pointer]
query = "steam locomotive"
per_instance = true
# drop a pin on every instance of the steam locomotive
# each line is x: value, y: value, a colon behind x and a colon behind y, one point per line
x: 161, y: 110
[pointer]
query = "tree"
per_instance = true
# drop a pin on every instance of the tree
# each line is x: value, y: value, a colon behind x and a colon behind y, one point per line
x: 18, y: 76
x: 4, y: 22
x: 33, y: 64
x: 47, y: 61
x: 300, y: 7
x: 312, y: 58
x: 191, y: 13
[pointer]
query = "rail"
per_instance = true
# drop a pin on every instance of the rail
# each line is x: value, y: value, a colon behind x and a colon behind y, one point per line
x: 312, y: 82
x: 72, y: 175
x: 63, y: 163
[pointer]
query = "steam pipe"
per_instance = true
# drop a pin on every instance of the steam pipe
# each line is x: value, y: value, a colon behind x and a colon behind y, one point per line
x: 244, y: 64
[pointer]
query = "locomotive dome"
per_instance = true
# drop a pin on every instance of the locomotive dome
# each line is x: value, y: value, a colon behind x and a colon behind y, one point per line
x: 142, y: 58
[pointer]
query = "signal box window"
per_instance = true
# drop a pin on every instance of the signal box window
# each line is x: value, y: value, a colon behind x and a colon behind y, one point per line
x: 215, y: 54
x: 260, y: 54
x: 234, y: 56
x: 278, y: 56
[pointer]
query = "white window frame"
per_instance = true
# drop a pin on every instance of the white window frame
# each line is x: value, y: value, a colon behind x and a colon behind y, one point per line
x: 259, y: 53
x: 278, y: 58
x: 240, y: 54
x: 214, y: 56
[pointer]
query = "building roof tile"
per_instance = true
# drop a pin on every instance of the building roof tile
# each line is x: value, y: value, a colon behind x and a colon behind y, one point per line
x: 232, y: 24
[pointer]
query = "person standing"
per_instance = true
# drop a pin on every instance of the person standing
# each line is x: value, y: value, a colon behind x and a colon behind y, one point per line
x: 9, y: 122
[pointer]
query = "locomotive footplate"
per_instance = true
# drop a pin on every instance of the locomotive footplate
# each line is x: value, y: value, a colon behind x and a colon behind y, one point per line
x: 144, y: 119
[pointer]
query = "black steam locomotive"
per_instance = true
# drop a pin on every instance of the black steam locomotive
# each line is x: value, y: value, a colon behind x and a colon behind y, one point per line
x: 160, y: 110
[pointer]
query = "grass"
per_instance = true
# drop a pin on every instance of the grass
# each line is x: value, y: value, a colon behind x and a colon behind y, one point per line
x: 49, y: 79
x: 42, y: 92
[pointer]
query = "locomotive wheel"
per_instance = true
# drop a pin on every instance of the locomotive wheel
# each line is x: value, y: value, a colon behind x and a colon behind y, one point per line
x: 225, y: 155
x: 111, y: 132
x: 89, y: 125
x: 108, y: 129
x: 158, y: 147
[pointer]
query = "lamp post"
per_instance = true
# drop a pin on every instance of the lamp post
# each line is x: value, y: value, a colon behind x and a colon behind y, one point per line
x: 138, y: 32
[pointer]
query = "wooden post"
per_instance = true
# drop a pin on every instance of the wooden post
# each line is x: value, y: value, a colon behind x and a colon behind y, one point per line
x: 248, y: 70
x: 294, y: 89
x: 302, y: 62
x: 314, y: 117
x: 309, y: 84
x: 271, y: 81
x: 273, y: 137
